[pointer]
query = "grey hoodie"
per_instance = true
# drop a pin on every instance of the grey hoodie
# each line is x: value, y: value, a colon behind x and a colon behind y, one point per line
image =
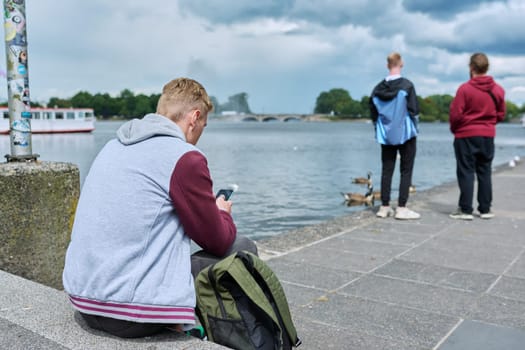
x: 151, y: 125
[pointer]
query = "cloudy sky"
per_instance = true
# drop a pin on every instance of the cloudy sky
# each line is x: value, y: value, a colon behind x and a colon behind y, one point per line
x: 283, y: 53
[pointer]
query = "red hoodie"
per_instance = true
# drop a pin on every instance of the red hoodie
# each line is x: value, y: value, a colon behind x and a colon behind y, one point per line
x: 473, y: 111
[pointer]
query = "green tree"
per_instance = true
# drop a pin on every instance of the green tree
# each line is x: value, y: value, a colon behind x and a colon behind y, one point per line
x: 365, y: 107
x: 82, y: 99
x: 336, y: 100
x: 153, y: 101
x: 59, y: 103
x: 513, y: 111
x: 126, y: 100
x: 434, y: 107
x: 142, y: 106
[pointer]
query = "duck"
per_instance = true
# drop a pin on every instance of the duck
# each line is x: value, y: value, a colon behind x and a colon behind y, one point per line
x: 377, y: 194
x: 367, y: 199
x: 363, y: 180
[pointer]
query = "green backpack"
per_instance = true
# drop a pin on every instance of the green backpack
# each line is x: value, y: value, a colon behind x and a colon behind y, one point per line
x: 241, y: 304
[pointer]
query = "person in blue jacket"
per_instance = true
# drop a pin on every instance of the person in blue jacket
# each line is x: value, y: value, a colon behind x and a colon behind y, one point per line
x: 395, y: 113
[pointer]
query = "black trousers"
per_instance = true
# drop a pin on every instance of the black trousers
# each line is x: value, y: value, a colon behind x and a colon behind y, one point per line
x: 128, y: 329
x: 474, y: 157
x: 407, y: 153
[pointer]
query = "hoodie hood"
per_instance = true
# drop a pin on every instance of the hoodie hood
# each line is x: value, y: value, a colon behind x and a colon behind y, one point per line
x: 388, y: 89
x: 483, y: 83
x: 151, y: 125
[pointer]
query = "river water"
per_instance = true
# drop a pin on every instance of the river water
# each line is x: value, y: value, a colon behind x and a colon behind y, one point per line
x: 291, y: 174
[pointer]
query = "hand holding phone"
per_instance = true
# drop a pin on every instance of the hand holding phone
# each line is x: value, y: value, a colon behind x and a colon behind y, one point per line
x: 225, y: 192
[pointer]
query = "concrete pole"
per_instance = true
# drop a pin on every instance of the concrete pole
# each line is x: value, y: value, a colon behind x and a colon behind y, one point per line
x: 17, y: 81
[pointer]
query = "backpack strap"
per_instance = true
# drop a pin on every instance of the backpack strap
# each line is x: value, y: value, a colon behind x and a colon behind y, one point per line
x: 493, y: 99
x: 250, y: 287
x: 213, y: 283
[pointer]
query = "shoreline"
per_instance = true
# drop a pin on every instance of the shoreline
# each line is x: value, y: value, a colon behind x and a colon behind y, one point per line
x: 301, y: 237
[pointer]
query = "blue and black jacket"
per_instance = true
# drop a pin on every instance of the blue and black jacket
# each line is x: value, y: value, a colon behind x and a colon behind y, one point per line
x: 394, y: 110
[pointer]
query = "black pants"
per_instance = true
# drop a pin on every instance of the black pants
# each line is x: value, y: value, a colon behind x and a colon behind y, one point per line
x: 474, y: 156
x: 407, y: 152
x: 128, y: 329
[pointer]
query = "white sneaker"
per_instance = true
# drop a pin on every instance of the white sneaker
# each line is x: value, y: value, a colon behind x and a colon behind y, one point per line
x: 486, y: 216
x: 459, y: 215
x: 403, y: 213
x: 384, y: 211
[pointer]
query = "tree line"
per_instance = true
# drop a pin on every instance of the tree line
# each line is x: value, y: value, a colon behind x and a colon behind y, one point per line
x: 336, y: 102
x: 340, y: 104
x: 127, y: 105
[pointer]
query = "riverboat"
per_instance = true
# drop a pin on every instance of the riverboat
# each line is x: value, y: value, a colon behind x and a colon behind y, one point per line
x: 54, y: 120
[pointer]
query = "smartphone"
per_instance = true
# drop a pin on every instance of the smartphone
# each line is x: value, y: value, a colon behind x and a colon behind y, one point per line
x: 226, y: 192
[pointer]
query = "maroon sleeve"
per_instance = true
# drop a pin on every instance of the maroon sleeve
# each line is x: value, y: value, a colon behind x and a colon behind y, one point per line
x: 457, y: 107
x: 192, y: 195
x: 501, y: 108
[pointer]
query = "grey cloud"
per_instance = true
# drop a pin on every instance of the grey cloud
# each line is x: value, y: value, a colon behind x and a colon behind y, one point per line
x: 228, y: 11
x: 330, y: 13
x: 443, y: 9
x: 511, y: 46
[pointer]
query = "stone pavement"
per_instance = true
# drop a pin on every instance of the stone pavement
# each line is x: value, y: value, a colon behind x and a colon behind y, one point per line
x: 360, y: 282
x: 356, y: 282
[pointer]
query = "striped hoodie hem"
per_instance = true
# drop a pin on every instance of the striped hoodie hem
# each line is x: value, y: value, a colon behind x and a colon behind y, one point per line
x: 133, y: 312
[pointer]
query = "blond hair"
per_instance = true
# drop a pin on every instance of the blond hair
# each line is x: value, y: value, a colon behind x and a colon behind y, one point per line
x: 479, y: 63
x: 394, y: 60
x: 182, y: 95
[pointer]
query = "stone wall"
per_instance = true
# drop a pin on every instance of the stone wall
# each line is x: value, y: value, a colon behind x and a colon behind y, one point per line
x: 37, y: 208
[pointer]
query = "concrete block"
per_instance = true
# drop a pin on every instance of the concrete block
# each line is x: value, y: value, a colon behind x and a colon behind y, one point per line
x: 37, y: 208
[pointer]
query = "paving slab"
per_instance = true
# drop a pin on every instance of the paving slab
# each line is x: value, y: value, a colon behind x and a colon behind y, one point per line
x: 309, y: 275
x: 344, y: 338
x: 379, y: 319
x: 417, y: 295
x: 351, y: 244
x: 511, y: 288
x: 483, y: 336
x: 344, y: 260
x: 438, y: 275
x: 500, y: 311
x: 463, y: 254
x: 517, y: 269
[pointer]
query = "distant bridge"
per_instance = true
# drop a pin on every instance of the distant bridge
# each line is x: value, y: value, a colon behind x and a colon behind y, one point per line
x: 268, y: 117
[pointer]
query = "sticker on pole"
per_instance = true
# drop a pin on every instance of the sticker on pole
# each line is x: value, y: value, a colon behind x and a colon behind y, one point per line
x: 21, y: 125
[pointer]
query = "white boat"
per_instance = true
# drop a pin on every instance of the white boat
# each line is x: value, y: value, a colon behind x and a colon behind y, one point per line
x: 54, y: 120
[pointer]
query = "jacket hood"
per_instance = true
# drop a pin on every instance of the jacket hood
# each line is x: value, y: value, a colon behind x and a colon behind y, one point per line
x: 150, y: 125
x: 483, y: 83
x: 388, y: 89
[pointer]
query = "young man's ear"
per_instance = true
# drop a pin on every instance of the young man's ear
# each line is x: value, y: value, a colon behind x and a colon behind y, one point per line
x: 195, y: 115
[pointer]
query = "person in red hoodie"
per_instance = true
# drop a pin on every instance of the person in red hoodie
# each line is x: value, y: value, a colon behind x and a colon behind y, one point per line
x: 478, y: 105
